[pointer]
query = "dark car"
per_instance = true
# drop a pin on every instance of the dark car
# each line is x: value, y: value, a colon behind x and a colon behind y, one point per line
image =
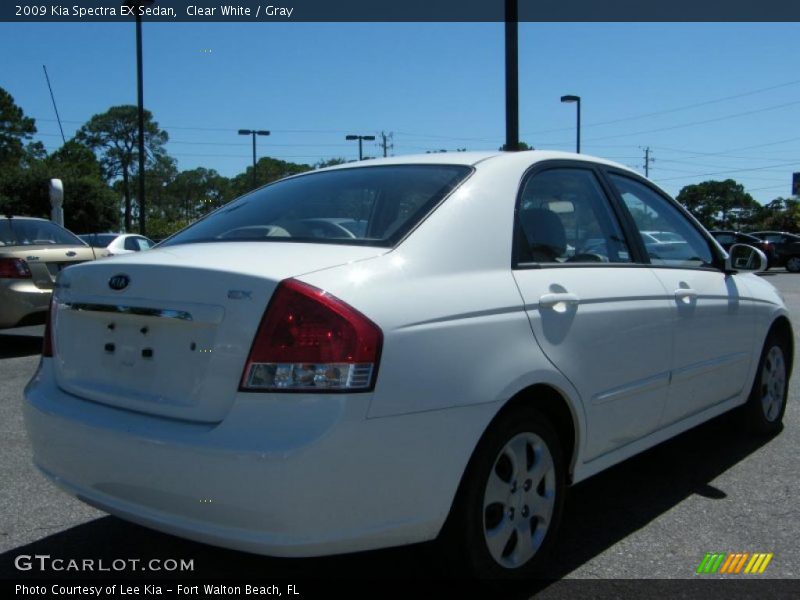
x: 727, y: 239
x: 787, y: 248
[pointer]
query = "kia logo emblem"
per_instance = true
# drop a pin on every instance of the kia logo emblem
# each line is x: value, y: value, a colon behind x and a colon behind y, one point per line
x: 119, y: 282
x: 71, y: 253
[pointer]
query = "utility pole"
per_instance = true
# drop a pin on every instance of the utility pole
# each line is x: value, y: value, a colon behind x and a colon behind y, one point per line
x: 647, y: 161
x: 385, y: 142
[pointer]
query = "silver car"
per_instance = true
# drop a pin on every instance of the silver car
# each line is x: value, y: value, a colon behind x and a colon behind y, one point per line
x: 32, y: 253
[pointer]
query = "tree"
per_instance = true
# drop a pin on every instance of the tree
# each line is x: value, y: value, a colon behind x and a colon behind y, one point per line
x: 522, y: 146
x: 714, y: 202
x: 329, y: 162
x: 90, y: 205
x: 267, y: 170
x: 114, y: 134
x: 194, y: 193
x: 782, y: 214
x: 15, y: 130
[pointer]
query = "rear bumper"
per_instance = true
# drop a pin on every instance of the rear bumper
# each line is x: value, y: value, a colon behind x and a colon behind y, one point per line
x: 286, y: 475
x: 20, y: 298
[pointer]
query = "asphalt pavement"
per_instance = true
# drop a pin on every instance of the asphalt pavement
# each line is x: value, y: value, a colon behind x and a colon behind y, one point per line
x: 712, y: 489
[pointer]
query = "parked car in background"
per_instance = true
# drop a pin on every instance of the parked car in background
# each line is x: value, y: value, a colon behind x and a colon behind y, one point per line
x: 446, y: 372
x: 117, y: 243
x: 727, y: 239
x: 32, y: 253
x: 661, y: 237
x: 787, y: 248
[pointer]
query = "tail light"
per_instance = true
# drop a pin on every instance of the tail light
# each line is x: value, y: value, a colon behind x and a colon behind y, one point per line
x: 309, y: 340
x: 47, y: 340
x: 14, y: 268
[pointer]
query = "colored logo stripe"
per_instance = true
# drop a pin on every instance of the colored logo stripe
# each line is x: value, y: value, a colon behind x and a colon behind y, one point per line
x: 725, y: 563
x: 711, y: 562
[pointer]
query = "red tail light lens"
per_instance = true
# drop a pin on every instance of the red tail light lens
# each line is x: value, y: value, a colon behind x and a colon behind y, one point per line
x: 311, y: 341
x: 14, y: 268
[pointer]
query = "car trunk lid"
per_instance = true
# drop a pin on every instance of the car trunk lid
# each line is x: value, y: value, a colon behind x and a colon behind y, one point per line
x: 46, y: 261
x: 168, y: 332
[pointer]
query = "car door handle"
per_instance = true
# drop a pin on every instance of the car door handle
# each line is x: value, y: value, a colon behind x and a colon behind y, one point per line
x: 685, y: 295
x: 558, y: 301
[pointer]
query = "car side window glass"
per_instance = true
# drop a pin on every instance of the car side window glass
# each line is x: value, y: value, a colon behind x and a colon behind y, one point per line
x: 669, y: 238
x: 144, y: 243
x: 725, y: 238
x: 564, y: 216
x: 130, y: 244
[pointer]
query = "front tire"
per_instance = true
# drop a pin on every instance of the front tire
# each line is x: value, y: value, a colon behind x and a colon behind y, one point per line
x: 509, y: 504
x: 793, y: 264
x: 763, y: 412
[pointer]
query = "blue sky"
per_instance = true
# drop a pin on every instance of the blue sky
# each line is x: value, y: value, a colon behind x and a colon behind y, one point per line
x: 712, y: 101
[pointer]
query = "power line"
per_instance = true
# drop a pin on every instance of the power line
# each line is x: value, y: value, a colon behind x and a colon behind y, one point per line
x: 743, y: 170
x: 714, y: 120
x: 671, y: 110
x: 55, y: 108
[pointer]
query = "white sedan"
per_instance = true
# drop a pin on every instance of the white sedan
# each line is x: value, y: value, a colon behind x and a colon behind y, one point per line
x: 118, y: 243
x: 443, y: 373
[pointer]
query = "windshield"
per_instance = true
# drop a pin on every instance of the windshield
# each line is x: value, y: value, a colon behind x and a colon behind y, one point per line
x: 363, y: 206
x: 33, y: 232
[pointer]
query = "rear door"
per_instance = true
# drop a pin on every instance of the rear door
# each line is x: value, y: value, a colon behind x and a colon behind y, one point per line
x: 712, y: 320
x: 600, y: 318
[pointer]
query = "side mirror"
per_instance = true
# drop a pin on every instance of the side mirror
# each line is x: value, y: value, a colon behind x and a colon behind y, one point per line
x: 744, y: 258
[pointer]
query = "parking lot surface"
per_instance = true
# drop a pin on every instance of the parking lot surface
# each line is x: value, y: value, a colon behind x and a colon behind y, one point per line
x: 712, y: 489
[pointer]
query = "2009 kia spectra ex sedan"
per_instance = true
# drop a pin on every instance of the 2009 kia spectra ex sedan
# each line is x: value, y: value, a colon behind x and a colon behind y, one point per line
x: 394, y: 351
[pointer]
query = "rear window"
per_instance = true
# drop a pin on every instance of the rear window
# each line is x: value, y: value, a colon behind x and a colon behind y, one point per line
x: 361, y: 206
x: 98, y: 240
x: 24, y: 232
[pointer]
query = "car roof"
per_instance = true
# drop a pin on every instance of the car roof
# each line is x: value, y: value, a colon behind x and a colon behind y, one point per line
x: 16, y: 218
x: 473, y: 158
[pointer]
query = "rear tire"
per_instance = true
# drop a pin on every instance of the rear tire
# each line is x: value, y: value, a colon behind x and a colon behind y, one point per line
x: 763, y: 412
x: 508, y: 507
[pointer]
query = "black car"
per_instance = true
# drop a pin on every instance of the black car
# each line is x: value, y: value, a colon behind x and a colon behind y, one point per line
x: 727, y: 239
x: 787, y: 248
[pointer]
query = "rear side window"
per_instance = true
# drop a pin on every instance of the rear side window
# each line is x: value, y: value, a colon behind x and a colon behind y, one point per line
x: 725, y: 238
x: 19, y: 232
x: 98, y: 240
x: 360, y: 206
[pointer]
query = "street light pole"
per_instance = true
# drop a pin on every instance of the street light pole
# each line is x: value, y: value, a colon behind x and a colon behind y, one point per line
x: 577, y: 100
x: 254, y: 133
x: 360, y: 138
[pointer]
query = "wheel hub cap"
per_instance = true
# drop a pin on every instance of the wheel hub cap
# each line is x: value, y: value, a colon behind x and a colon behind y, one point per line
x: 518, y: 500
x: 773, y: 383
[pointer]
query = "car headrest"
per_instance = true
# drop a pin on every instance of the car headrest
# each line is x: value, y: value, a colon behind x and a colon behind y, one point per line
x: 544, y: 232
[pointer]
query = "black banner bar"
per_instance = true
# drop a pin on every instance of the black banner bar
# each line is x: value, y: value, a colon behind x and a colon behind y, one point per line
x: 253, y: 11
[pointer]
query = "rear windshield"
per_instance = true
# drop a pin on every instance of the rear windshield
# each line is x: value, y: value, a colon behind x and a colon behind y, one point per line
x: 361, y: 206
x: 99, y: 240
x: 24, y: 232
